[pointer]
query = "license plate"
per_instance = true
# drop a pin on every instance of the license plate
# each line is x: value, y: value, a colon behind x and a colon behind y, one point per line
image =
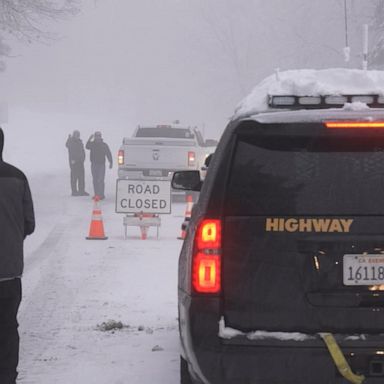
x: 155, y: 172
x: 363, y: 269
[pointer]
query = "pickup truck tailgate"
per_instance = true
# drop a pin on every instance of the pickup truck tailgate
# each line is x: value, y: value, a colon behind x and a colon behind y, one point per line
x: 150, y: 154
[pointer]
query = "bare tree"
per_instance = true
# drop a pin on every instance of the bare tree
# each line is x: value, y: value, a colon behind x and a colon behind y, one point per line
x: 28, y: 20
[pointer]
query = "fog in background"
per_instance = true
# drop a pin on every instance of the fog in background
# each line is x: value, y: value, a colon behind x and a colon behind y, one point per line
x: 120, y: 63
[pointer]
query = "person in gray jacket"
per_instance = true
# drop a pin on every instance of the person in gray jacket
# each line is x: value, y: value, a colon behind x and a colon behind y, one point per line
x: 17, y: 221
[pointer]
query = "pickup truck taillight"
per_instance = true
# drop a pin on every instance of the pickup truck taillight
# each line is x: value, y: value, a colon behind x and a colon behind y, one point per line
x: 120, y: 157
x: 206, y: 262
x: 191, y: 158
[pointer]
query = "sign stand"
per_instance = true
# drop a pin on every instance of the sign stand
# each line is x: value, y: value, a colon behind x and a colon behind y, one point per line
x: 142, y: 202
x: 144, y: 221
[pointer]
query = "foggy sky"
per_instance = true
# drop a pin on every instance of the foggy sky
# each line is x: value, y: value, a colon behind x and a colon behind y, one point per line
x: 126, y: 62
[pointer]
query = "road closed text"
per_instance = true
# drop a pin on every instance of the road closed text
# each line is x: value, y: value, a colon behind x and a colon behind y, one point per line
x: 143, y: 203
x: 140, y: 189
x: 143, y: 196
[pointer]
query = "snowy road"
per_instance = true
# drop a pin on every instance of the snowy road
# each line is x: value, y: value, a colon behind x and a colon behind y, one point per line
x: 72, y: 287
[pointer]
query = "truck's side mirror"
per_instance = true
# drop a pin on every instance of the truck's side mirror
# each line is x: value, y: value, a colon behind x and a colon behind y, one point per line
x: 208, y: 159
x: 186, y: 180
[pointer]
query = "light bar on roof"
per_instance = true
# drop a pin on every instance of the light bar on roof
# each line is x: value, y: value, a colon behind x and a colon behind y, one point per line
x: 324, y: 101
x: 283, y: 100
x: 309, y: 100
x: 362, y: 99
x: 339, y: 100
x: 354, y: 124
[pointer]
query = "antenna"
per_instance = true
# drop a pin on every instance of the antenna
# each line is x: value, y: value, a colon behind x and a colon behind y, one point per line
x: 347, y: 49
x: 365, y: 47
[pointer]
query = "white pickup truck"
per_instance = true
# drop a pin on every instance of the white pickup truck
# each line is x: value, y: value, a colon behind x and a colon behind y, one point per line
x: 155, y: 152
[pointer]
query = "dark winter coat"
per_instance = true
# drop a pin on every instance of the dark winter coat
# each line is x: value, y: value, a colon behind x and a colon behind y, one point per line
x: 99, y: 151
x: 75, y: 150
x: 17, y: 218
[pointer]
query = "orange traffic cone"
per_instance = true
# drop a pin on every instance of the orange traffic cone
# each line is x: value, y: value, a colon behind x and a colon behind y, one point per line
x: 187, y: 217
x: 96, y: 229
x: 183, y: 230
x: 188, y: 211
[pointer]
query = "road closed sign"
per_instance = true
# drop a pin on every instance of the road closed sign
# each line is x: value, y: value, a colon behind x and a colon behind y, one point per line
x: 150, y: 196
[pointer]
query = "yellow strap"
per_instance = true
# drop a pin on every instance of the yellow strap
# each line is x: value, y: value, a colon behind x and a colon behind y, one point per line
x: 339, y: 359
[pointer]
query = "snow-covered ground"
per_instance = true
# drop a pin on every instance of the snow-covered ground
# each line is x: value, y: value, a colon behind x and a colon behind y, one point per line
x: 74, y: 289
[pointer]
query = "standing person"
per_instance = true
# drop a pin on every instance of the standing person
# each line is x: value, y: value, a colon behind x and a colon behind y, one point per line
x: 76, y: 163
x: 99, y: 152
x: 17, y: 220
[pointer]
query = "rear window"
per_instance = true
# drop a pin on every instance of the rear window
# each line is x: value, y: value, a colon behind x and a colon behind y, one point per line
x: 166, y: 132
x: 327, y: 174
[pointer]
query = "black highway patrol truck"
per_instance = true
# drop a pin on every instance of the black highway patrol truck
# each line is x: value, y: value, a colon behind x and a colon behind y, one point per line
x: 281, y: 274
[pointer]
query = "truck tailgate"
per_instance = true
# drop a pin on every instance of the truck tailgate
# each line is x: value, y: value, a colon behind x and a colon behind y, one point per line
x: 166, y: 156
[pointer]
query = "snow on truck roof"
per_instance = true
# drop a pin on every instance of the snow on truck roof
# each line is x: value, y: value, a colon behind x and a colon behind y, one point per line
x: 311, y: 82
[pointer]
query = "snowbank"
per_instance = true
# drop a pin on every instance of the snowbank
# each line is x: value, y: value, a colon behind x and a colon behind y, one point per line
x: 311, y: 82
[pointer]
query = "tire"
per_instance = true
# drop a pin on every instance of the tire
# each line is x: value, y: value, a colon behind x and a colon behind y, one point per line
x: 185, y: 376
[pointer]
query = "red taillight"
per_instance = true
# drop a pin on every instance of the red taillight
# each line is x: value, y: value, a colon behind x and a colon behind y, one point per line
x: 209, y: 235
x: 206, y: 268
x: 120, y: 157
x: 206, y: 273
x: 191, y: 158
x: 354, y: 124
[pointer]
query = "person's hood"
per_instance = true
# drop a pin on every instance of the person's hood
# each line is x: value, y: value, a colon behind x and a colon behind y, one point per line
x: 1, y: 143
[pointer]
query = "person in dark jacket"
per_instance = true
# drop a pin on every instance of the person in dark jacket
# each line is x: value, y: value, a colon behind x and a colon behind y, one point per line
x: 76, y: 163
x: 17, y: 220
x: 99, y: 151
